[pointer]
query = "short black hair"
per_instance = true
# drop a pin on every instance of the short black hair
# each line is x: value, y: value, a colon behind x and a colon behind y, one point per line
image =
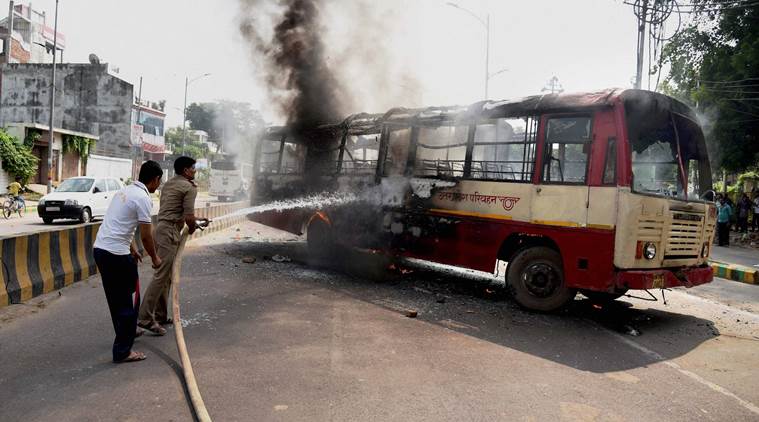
x: 149, y: 171
x: 182, y: 163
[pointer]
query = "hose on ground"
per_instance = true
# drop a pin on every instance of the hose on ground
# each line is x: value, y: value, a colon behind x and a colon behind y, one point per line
x: 189, y: 376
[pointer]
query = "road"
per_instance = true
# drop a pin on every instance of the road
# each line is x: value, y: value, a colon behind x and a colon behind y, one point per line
x: 32, y: 223
x: 294, y: 341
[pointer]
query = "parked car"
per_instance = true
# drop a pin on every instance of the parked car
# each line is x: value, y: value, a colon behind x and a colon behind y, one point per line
x: 79, y: 198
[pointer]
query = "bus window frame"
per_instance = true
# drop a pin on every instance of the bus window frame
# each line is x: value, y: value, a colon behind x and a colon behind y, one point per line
x: 611, y: 140
x: 414, y: 144
x: 542, y: 151
x: 470, y: 151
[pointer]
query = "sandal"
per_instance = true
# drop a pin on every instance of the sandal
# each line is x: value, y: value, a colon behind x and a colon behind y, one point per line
x: 167, y: 321
x: 155, y: 328
x: 134, y: 356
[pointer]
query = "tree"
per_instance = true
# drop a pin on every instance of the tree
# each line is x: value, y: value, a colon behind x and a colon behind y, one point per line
x: 17, y: 158
x: 191, y: 145
x: 714, y: 63
x: 232, y: 125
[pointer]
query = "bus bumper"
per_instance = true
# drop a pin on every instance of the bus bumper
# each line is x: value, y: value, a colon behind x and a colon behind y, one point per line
x: 658, y: 279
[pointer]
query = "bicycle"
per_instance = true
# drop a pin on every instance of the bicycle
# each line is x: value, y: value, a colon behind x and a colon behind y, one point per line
x: 12, y: 205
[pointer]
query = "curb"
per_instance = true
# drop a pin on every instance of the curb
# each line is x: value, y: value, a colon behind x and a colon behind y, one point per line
x: 735, y: 272
x: 39, y: 263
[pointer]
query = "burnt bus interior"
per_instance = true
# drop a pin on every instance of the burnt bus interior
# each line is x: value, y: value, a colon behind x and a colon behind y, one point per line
x: 488, y: 141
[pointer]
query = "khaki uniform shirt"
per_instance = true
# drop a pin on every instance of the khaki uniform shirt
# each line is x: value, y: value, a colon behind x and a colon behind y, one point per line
x: 177, y: 199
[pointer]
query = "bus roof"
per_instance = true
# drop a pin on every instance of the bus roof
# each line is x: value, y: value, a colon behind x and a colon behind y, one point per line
x: 366, y: 123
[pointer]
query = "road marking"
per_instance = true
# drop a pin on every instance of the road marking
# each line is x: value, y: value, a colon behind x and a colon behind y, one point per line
x: 746, y: 404
x: 64, y: 249
x: 46, y: 270
x: 22, y: 272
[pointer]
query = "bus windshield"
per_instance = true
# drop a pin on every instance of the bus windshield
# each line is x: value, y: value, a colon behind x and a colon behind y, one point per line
x: 668, y: 155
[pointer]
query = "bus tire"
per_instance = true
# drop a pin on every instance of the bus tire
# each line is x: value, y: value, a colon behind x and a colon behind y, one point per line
x: 535, y: 278
x: 602, y: 297
x: 320, y: 240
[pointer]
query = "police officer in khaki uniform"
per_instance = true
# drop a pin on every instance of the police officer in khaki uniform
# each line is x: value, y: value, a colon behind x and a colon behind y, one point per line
x: 177, y: 208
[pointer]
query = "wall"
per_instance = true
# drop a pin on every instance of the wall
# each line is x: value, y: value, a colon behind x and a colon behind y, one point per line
x: 88, y: 99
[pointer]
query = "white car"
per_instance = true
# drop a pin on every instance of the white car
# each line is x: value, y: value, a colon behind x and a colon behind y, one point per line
x: 79, y: 198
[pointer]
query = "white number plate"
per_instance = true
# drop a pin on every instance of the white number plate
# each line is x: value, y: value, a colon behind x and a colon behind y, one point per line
x: 52, y: 208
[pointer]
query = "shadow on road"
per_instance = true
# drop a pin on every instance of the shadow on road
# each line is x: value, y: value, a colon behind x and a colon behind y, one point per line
x: 578, y: 336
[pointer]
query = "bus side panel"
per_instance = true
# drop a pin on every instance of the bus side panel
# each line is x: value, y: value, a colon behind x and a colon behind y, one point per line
x: 587, y: 253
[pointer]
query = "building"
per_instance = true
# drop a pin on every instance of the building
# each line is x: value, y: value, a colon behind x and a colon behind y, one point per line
x: 90, y: 102
x: 28, y: 36
x: 148, y: 123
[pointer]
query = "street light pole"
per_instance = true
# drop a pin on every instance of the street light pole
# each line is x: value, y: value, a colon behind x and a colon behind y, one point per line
x: 187, y: 82
x: 184, y: 113
x: 52, y: 107
x: 486, y: 24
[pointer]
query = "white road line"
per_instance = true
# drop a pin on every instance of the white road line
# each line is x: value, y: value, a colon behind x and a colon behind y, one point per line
x: 746, y: 404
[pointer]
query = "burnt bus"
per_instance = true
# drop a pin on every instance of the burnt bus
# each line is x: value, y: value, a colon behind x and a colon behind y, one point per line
x: 600, y: 192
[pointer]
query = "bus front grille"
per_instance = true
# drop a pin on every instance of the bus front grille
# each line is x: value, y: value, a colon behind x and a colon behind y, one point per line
x: 684, y: 239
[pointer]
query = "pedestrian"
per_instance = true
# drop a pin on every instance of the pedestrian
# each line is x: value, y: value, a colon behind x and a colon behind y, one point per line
x: 177, y: 208
x: 116, y: 255
x: 14, y: 191
x: 755, y: 218
x: 744, y: 208
x: 723, y: 222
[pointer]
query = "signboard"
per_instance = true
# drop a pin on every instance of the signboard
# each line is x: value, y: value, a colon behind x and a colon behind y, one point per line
x: 136, y: 138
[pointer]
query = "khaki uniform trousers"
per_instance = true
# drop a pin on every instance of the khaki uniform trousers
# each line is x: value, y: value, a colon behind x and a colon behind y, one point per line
x: 154, y: 308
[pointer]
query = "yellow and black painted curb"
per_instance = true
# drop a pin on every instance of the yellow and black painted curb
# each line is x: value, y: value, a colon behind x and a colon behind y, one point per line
x: 39, y: 263
x: 735, y: 272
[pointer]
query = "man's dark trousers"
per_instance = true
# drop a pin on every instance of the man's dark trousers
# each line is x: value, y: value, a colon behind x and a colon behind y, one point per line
x: 119, y: 274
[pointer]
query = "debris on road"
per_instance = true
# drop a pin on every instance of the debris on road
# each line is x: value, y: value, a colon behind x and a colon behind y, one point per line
x: 280, y: 258
x: 249, y: 259
x: 411, y: 314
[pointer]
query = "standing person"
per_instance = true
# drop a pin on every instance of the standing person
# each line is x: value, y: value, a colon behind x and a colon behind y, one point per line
x: 177, y: 209
x: 14, y: 191
x: 744, y: 208
x: 116, y: 255
x: 723, y: 222
x: 755, y: 221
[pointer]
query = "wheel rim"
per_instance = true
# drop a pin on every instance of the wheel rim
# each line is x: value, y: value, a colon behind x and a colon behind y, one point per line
x: 541, y: 280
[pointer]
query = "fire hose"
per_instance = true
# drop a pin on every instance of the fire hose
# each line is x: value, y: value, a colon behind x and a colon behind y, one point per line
x: 189, y: 376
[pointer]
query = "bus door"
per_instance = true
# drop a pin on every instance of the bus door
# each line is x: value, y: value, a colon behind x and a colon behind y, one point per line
x: 561, y: 195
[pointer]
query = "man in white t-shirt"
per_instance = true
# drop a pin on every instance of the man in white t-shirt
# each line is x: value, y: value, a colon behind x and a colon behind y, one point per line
x: 116, y: 255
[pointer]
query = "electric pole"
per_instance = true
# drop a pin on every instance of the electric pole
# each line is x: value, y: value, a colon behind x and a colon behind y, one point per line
x: 553, y: 86
x: 641, y: 43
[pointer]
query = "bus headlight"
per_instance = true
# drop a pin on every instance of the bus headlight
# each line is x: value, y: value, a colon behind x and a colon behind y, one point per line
x: 649, y: 250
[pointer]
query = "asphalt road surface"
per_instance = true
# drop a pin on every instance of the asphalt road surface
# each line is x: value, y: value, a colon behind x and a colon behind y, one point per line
x: 289, y: 341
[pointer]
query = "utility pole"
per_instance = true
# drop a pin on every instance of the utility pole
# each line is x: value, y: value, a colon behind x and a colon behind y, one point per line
x: 641, y: 43
x: 553, y: 86
x: 52, y: 107
x: 184, y: 113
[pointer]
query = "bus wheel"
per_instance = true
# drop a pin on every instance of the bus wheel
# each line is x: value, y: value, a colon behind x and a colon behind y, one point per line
x: 320, y: 241
x: 603, y: 297
x: 536, y: 279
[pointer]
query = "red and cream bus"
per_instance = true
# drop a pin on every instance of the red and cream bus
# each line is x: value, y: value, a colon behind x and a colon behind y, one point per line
x: 599, y: 192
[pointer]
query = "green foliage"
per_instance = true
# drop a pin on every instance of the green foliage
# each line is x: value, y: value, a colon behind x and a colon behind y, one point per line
x: 715, y: 63
x: 230, y: 124
x: 32, y: 136
x: 78, y: 144
x: 17, y: 158
x: 189, y: 146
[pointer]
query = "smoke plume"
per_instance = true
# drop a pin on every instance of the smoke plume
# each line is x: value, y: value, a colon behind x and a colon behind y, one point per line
x: 296, y: 70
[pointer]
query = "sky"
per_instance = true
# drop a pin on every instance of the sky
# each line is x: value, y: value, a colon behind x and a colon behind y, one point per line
x: 587, y: 44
